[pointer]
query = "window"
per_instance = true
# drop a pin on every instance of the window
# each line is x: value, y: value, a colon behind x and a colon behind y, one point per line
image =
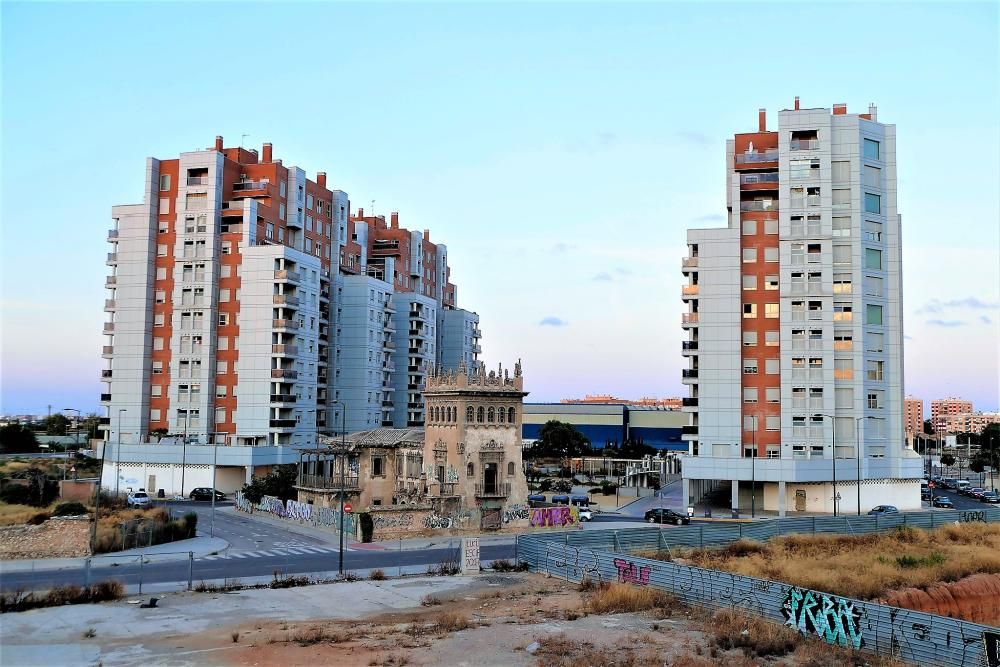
x: 157, y: 343
x: 843, y: 369
x: 223, y: 319
x: 749, y: 255
x: 469, y: 412
x: 875, y: 400
x: 815, y: 310
x: 873, y: 231
x: 772, y: 423
x: 813, y: 251
x: 510, y: 469
x: 873, y: 258
x: 841, y: 198
x: 510, y: 415
x: 873, y: 286
x: 873, y: 177
x: 841, y: 226
x: 281, y: 211
x: 750, y: 394
x: 158, y: 320
x: 871, y: 149
x: 470, y: 470
x: 815, y: 362
x: 480, y: 414
x: 157, y: 368
x: 749, y: 227
x: 770, y: 254
x: 841, y: 171
x: 842, y: 283
x: 842, y: 312
x: 798, y: 253
x: 874, y: 370
x: 771, y: 338
x: 770, y: 282
x: 161, y: 250
x: 749, y: 311
x: 491, y: 415
x: 221, y: 391
x: 773, y: 394
x: 771, y: 311
x: 803, y: 168
x: 770, y: 226
x: 873, y: 314
x: 501, y: 415
x: 749, y: 422
x: 749, y: 338
x: 222, y: 367
x: 156, y: 390
x: 378, y: 466
x: 843, y: 341
x: 841, y: 254
x: 874, y: 342
x: 161, y: 273
x: 749, y: 366
x: 749, y: 282
x: 873, y: 203
x: 154, y: 415
x: 772, y: 366
x: 160, y: 296
x: 220, y: 415
x: 164, y: 182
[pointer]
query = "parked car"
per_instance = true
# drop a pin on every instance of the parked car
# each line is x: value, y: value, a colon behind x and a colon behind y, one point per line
x: 205, y: 493
x: 663, y: 515
x: 879, y: 510
x: 991, y: 497
x: 950, y: 483
x: 944, y: 501
x: 962, y: 486
x: 586, y: 514
x: 139, y: 499
x: 925, y: 494
x: 976, y: 492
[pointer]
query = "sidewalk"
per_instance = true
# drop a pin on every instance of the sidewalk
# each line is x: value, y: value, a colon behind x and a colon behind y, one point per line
x: 199, y: 546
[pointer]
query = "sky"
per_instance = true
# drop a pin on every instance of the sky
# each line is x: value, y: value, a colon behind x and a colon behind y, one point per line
x: 560, y: 151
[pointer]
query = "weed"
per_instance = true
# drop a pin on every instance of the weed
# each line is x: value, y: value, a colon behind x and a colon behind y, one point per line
x: 235, y: 636
x: 429, y: 601
x: 289, y: 581
x: 734, y: 629
x: 316, y: 635
x: 446, y: 568
x: 452, y: 622
x: 350, y: 576
x: 89, y: 633
x: 504, y: 565
x: 623, y: 598
x: 62, y: 595
x: 376, y: 575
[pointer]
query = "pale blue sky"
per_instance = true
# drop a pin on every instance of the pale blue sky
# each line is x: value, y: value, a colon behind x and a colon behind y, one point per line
x: 559, y: 150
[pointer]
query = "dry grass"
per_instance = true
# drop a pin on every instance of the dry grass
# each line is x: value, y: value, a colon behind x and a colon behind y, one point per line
x: 733, y: 629
x: 624, y: 598
x: 100, y: 592
x: 862, y: 566
x: 376, y: 575
x: 452, y: 622
x: 318, y: 635
x: 15, y: 515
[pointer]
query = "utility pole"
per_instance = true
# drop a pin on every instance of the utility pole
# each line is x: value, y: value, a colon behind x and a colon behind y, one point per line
x: 76, y: 435
x: 118, y: 454
x: 753, y: 473
x: 833, y: 459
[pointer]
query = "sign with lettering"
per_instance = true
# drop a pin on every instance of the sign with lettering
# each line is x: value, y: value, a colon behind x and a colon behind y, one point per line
x: 470, y: 555
x: 991, y: 643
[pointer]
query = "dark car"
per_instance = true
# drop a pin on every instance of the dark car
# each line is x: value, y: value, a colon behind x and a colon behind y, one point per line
x: 991, y: 497
x: 663, y: 515
x: 883, y: 509
x: 944, y: 501
x: 205, y: 493
x: 950, y: 483
x: 925, y: 494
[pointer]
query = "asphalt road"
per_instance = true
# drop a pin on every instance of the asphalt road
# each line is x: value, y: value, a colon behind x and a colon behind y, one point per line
x: 242, y: 532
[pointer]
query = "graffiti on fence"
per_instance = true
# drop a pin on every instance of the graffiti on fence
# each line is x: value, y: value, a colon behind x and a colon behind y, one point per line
x: 326, y: 517
x: 554, y: 516
x: 972, y: 516
x: 396, y: 520
x: 829, y: 617
x: 991, y: 644
x: 516, y: 512
x: 572, y: 563
x: 630, y: 573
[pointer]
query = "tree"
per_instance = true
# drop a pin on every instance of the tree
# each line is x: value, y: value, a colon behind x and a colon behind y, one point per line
x: 279, y: 483
x: 636, y: 450
x: 91, y: 426
x: 17, y: 438
x: 947, y: 460
x: 56, y: 424
x: 928, y: 428
x: 977, y: 464
x: 558, y: 439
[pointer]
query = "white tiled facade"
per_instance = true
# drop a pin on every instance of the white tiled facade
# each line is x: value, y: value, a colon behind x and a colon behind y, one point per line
x: 837, y: 370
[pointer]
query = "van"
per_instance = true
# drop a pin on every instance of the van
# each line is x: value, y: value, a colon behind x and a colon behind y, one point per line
x: 961, y: 485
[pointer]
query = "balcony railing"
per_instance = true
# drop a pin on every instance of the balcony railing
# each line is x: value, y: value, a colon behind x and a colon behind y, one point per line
x: 751, y: 179
x: 286, y: 373
x: 759, y: 205
x: 111, y: 281
x: 249, y: 185
x: 112, y: 234
x: 108, y: 350
x: 804, y: 144
x: 109, y: 304
x: 498, y: 490
x: 285, y: 324
x: 689, y: 430
x: 286, y: 274
x: 689, y: 345
x: 285, y: 349
x: 105, y: 398
x: 333, y: 482
x: 282, y: 423
x: 448, y: 489
x: 757, y: 156
x: 689, y: 402
x: 112, y: 258
x: 689, y: 373
x: 109, y: 327
x: 106, y: 374
x: 197, y: 180
x: 689, y: 263
x: 285, y: 300
x: 689, y: 318
x: 689, y: 290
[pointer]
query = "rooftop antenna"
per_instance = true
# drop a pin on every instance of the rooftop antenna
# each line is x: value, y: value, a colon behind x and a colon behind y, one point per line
x: 373, y: 208
x: 242, y: 137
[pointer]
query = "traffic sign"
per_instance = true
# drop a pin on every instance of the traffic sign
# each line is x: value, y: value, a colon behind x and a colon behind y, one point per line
x: 347, y: 508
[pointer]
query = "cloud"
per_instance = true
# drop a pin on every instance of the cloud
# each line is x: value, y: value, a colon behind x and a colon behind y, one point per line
x: 946, y: 323
x: 985, y: 320
x: 970, y: 303
x: 551, y: 321
x: 711, y: 217
x: 603, y: 276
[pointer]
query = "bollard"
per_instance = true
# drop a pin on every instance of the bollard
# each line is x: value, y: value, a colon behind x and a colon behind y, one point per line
x: 141, y: 560
x: 86, y: 572
x: 190, y: 570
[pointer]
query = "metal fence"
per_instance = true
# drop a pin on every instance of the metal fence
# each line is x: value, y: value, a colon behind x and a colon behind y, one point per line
x: 917, y: 637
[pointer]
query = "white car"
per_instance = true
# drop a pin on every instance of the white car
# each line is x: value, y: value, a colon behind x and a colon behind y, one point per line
x: 586, y: 514
x: 139, y: 499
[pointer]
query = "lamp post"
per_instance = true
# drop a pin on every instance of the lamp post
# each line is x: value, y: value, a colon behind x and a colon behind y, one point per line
x: 118, y: 450
x: 753, y: 473
x: 76, y: 434
x: 857, y: 446
x: 343, y: 461
x: 833, y: 458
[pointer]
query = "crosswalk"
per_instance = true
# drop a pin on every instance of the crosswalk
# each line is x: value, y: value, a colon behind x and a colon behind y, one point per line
x: 286, y: 551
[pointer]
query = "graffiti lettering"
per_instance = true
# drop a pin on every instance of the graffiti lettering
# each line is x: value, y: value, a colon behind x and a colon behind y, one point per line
x: 434, y: 521
x: 972, y: 516
x: 630, y: 573
x: 292, y: 509
x: 991, y: 643
x: 400, y: 520
x: 516, y: 512
x: 833, y: 619
x: 553, y: 516
x: 489, y: 519
x: 761, y: 585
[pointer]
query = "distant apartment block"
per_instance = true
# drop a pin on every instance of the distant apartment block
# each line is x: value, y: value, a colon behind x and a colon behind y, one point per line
x: 246, y: 306
x: 794, y: 322
x: 944, y: 408
x: 647, y: 402
x: 967, y: 422
x: 913, y: 417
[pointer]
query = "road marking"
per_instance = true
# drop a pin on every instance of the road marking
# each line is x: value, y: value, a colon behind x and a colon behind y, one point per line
x: 238, y: 555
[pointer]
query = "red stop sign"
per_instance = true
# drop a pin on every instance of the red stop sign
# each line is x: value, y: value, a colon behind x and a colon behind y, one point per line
x: 347, y: 508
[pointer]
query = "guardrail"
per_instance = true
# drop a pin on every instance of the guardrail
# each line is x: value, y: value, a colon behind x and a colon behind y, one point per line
x: 913, y: 636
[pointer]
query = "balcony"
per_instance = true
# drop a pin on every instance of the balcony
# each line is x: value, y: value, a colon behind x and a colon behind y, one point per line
x: 689, y: 292
x: 197, y: 180
x: 109, y: 304
x: 759, y: 205
x: 112, y: 258
x: 110, y: 281
x: 689, y: 402
x: 689, y: 373
x: 804, y: 144
x: 285, y: 300
x: 689, y: 430
x: 289, y: 350
x: 350, y: 482
x: 112, y: 234
x: 285, y: 274
x: 105, y: 398
x: 104, y: 421
x: 758, y: 179
x: 689, y: 345
x: 689, y: 264
x: 249, y: 186
x: 107, y: 351
x: 755, y: 157
x: 389, y: 345
x: 284, y: 373
x: 689, y: 319
x: 109, y: 327
x: 282, y: 423
x: 106, y: 374
x: 284, y: 324
x: 498, y: 490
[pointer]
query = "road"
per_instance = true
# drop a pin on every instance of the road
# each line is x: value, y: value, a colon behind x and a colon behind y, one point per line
x: 241, y: 531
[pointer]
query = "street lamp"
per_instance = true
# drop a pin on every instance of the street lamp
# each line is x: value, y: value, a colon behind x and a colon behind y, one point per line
x: 118, y: 452
x: 343, y: 457
x: 76, y: 434
x: 857, y: 446
x: 833, y: 458
x: 753, y: 473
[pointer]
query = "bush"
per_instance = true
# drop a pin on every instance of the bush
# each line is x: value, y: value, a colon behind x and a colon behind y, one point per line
x: 39, y: 518
x: 191, y: 521
x: 376, y: 575
x: 545, y: 485
x: 756, y: 636
x: 69, y: 509
x: 62, y: 595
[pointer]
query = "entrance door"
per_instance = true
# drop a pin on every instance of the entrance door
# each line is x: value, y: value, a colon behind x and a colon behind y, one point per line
x: 441, y: 474
x: 151, y: 486
x: 490, y: 478
x: 800, y: 500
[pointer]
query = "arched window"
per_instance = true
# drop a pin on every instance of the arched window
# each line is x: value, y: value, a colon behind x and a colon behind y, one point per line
x: 480, y: 414
x: 454, y: 414
x: 510, y: 415
x: 491, y: 415
x: 510, y: 469
x: 469, y: 413
x: 470, y: 470
x: 434, y: 414
x: 501, y: 415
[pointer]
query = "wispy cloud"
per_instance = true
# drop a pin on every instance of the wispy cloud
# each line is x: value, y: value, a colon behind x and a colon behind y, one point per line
x: 552, y: 321
x: 711, y: 217
x: 946, y: 323
x: 603, y: 276
x: 968, y: 303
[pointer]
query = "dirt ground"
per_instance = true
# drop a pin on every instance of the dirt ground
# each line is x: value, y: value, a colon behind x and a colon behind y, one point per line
x: 505, y: 619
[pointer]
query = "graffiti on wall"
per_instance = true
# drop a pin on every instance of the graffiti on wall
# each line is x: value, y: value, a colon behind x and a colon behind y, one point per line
x: 630, y: 573
x: 516, y: 512
x: 451, y: 477
x: 434, y: 521
x: 386, y: 521
x: 554, y: 516
x: 490, y: 518
x: 325, y: 517
x: 831, y: 618
x: 972, y: 516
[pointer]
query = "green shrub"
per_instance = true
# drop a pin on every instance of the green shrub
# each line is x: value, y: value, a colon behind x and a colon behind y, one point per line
x: 39, y: 519
x: 69, y: 509
x: 191, y: 518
